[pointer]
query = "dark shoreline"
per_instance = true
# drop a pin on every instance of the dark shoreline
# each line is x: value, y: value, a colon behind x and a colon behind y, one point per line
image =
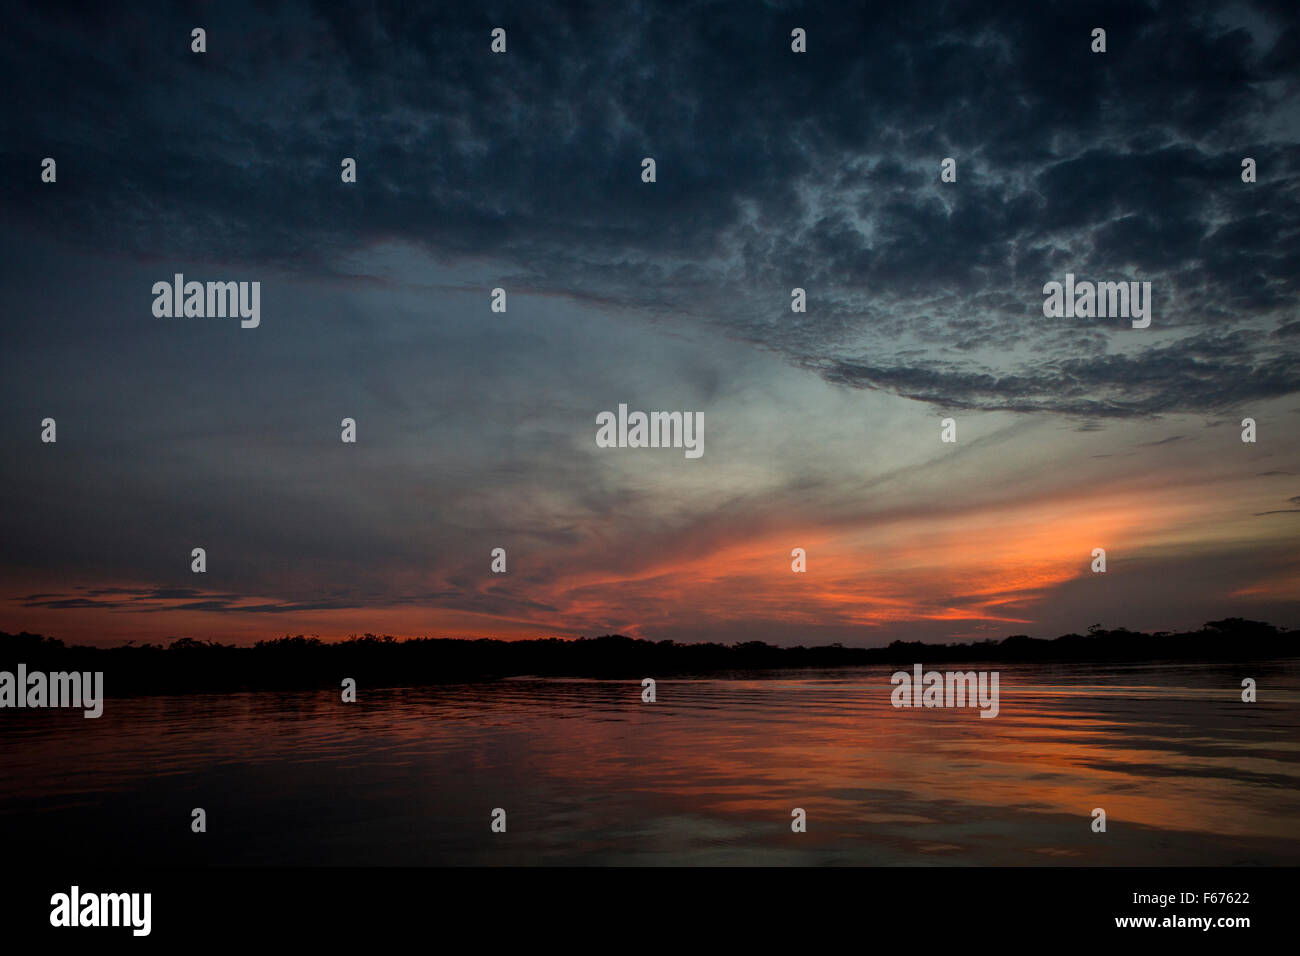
x: 294, y: 663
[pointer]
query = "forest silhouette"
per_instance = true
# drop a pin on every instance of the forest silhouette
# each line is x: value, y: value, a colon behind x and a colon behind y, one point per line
x: 297, y: 662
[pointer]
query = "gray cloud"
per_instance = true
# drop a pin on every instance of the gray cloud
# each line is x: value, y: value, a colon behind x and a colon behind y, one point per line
x: 775, y: 170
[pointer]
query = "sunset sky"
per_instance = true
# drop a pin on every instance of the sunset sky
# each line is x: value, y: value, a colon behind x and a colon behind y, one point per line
x: 775, y: 170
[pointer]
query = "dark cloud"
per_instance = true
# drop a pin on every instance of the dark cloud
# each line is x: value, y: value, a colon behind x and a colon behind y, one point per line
x: 155, y: 600
x: 1164, y: 441
x: 775, y: 170
x: 1164, y: 379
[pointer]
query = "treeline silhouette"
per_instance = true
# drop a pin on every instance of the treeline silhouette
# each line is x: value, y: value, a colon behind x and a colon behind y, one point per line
x: 188, y: 665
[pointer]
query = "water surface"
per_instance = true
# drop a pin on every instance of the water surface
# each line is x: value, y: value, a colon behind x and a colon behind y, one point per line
x: 708, y: 774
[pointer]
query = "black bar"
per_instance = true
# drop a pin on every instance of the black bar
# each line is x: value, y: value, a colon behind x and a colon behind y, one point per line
x: 657, y: 906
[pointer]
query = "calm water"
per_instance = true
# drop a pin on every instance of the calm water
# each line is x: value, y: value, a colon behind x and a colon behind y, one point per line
x: 1186, y: 772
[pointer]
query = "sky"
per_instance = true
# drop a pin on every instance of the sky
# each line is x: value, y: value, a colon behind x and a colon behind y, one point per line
x: 523, y: 170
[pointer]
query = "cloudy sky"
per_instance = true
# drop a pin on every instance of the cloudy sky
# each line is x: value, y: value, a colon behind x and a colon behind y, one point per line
x: 775, y: 170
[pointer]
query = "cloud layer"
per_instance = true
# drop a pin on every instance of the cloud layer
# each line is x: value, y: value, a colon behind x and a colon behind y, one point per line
x: 775, y: 170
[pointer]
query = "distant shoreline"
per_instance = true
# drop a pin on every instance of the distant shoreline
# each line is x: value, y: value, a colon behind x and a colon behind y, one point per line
x: 189, y: 666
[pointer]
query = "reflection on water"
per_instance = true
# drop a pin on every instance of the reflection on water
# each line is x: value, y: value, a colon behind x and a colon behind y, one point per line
x: 1187, y: 773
